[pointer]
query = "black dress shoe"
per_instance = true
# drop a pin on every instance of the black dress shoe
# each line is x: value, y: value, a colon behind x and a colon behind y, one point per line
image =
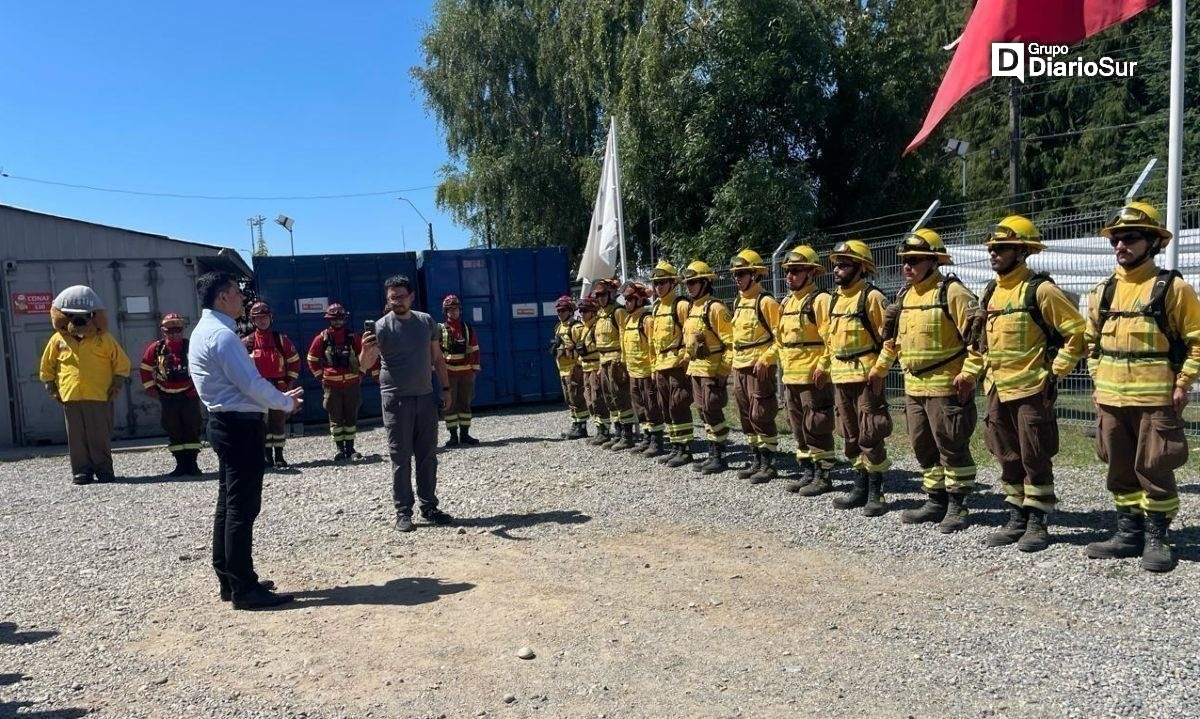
x: 104, y: 478
x: 81, y: 478
x: 261, y: 599
x: 266, y: 585
x: 437, y: 516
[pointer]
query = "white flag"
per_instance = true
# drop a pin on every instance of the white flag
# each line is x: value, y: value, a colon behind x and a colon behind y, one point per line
x: 606, y: 236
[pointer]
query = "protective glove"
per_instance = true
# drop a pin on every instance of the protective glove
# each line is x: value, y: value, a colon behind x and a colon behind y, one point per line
x: 52, y: 388
x: 891, y: 320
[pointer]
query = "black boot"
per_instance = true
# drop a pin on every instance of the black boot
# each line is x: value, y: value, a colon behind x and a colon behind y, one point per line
x: 279, y: 460
x: 820, y: 483
x: 1127, y: 541
x: 352, y: 454
x: 612, y: 437
x: 876, y: 505
x: 807, y: 472
x: 766, y: 471
x: 464, y: 436
x: 453, y: 441
x: 578, y: 431
x: 1035, y: 538
x: 1012, y: 531
x: 624, y: 437
x: 193, y: 468
x: 268, y: 457
x: 654, y: 446
x: 715, y: 463
x: 643, y: 442
x: 934, y: 509
x: 341, y: 451
x: 180, y: 463
x: 682, y: 456
x: 856, y: 497
x: 602, y: 436
x: 1157, y: 555
x: 749, y: 470
x: 955, y: 519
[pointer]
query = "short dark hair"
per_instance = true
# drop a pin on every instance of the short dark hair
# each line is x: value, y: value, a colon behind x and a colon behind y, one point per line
x: 211, y: 284
x: 400, y: 281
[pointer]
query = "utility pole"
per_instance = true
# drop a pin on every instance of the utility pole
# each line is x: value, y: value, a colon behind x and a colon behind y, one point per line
x: 260, y: 246
x: 1014, y: 147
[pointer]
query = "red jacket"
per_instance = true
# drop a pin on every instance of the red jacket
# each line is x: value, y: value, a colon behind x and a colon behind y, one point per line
x: 275, y: 357
x: 334, y: 360
x: 460, y: 346
x: 164, y: 368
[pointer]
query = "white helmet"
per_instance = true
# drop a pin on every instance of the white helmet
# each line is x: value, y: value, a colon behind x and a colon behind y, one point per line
x: 78, y: 300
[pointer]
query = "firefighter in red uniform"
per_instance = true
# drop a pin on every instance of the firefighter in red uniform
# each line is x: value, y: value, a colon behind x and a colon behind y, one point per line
x: 460, y: 346
x: 279, y: 363
x: 165, y: 375
x: 333, y: 359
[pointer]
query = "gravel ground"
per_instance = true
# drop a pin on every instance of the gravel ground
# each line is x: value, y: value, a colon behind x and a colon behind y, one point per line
x: 642, y: 591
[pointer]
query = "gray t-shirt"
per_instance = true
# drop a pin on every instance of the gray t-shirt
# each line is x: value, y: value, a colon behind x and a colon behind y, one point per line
x: 406, y: 368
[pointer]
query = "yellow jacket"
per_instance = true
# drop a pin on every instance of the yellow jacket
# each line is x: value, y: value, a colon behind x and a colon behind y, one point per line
x: 798, y: 335
x: 852, y: 350
x: 564, y: 341
x: 83, y: 369
x: 636, y: 350
x: 754, y: 341
x: 666, y: 331
x: 927, y: 335
x: 1144, y: 381
x: 609, y: 321
x: 585, y: 336
x: 717, y: 341
x: 1015, y: 357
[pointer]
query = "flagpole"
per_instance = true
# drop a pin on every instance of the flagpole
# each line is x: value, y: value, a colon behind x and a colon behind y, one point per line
x: 612, y: 131
x: 1175, y: 141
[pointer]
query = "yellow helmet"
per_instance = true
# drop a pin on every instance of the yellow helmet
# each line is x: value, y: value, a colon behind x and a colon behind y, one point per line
x: 924, y: 243
x: 699, y: 271
x: 803, y: 256
x: 664, y: 271
x: 1016, y: 230
x: 748, y: 260
x: 855, y: 251
x: 1138, y: 216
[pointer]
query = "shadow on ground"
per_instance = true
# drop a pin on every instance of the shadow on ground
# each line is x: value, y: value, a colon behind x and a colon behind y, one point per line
x: 404, y: 592
x: 501, y: 524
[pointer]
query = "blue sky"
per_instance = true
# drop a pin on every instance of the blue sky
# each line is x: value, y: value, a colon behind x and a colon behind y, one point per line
x: 265, y: 99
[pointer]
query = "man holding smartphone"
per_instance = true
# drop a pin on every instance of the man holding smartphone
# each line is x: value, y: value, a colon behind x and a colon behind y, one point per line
x: 409, y: 346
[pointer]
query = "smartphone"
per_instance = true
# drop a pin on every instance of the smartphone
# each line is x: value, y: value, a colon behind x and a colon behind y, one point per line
x: 368, y: 327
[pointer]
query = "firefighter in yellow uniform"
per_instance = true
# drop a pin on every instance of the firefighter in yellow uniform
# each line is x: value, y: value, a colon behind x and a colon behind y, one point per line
x: 589, y: 363
x: 614, y: 378
x: 637, y: 352
x: 854, y: 340
x: 804, y: 360
x: 1144, y: 329
x: 1031, y: 335
x: 570, y: 373
x: 707, y: 336
x: 667, y: 318
x: 927, y: 328
x: 755, y: 316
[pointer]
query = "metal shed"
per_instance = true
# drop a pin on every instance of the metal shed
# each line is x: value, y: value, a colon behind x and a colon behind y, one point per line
x: 139, y: 276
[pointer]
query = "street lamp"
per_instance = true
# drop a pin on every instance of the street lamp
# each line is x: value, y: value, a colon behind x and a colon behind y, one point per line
x: 428, y: 224
x: 286, y: 223
x: 960, y: 147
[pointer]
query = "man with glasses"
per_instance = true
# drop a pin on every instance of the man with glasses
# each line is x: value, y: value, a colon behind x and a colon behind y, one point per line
x: 707, y: 334
x: 236, y: 397
x: 164, y: 373
x: 1029, y: 336
x: 408, y: 345
x: 614, y: 376
x: 854, y: 339
x: 755, y: 317
x: 667, y: 317
x: 926, y: 328
x: 804, y: 358
x: 1144, y: 328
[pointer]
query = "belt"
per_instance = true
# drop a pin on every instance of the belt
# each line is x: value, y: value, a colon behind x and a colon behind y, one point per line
x: 255, y: 416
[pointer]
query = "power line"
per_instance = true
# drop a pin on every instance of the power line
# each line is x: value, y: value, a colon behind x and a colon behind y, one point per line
x: 184, y: 196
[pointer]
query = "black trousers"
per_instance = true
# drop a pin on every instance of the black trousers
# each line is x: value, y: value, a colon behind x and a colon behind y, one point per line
x: 238, y: 439
x: 412, y: 430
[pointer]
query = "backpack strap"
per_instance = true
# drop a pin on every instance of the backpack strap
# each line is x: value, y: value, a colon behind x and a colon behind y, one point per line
x: 762, y: 320
x: 704, y: 317
x: 1156, y: 310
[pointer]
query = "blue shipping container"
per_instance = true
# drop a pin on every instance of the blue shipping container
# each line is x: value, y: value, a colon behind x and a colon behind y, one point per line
x: 508, y: 299
x: 298, y: 290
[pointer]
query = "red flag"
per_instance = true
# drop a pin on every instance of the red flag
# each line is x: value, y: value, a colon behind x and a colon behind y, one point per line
x: 1049, y: 22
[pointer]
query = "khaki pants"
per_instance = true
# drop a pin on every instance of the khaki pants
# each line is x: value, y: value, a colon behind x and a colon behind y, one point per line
x: 645, y: 403
x: 572, y: 389
x: 810, y: 412
x: 342, y: 403
x: 757, y: 406
x: 614, y: 383
x: 594, y: 396
x: 462, y: 391
x: 1142, y: 446
x: 1023, y: 437
x: 710, y: 395
x: 864, y: 423
x: 276, y: 428
x: 181, y: 420
x: 89, y: 436
x: 675, y: 400
x: 940, y: 429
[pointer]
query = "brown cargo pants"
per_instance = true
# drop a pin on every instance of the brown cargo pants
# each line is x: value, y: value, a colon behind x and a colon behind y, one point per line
x: 181, y: 420
x: 614, y: 383
x: 864, y: 423
x: 757, y: 406
x: 462, y: 391
x: 342, y: 404
x: 573, y: 394
x: 644, y: 391
x: 1142, y: 446
x: 810, y: 413
x: 594, y: 396
x: 276, y: 428
x: 675, y: 400
x: 89, y: 436
x: 1023, y: 437
x: 940, y: 429
x: 710, y: 395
